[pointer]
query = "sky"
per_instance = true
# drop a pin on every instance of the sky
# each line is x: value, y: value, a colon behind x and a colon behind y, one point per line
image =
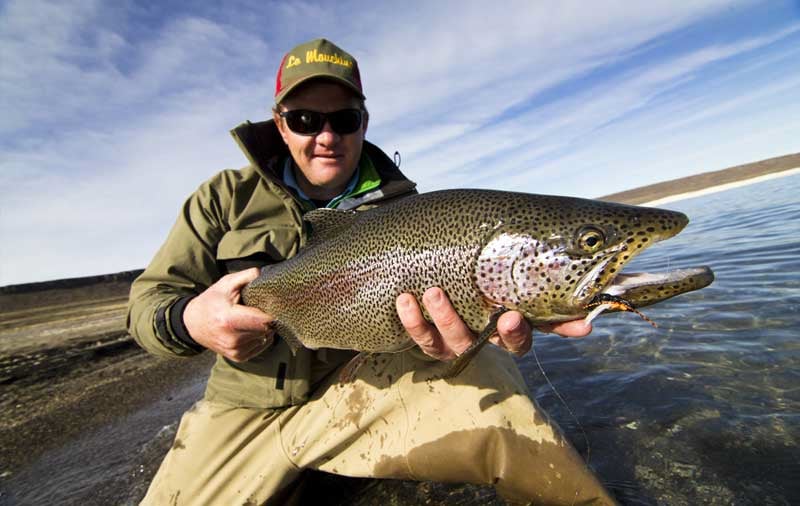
x: 112, y: 113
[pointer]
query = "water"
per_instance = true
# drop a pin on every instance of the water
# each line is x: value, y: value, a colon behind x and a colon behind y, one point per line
x: 704, y: 409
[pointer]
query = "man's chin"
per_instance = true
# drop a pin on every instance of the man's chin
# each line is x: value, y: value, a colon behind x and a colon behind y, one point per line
x: 330, y: 170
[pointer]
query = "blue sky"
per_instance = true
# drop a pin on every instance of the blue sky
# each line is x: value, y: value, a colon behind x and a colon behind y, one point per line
x: 111, y: 113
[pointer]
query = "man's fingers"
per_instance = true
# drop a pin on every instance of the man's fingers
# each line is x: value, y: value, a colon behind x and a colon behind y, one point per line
x: 252, y: 348
x: 572, y: 328
x: 422, y: 332
x: 245, y: 346
x: 455, y: 333
x: 249, y: 319
x: 515, y: 333
x: 234, y: 282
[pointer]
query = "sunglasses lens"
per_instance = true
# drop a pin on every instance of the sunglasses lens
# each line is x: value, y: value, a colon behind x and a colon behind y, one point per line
x: 304, y: 122
x: 345, y: 121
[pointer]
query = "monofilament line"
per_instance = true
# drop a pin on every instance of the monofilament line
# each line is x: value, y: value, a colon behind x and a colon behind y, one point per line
x: 564, y: 403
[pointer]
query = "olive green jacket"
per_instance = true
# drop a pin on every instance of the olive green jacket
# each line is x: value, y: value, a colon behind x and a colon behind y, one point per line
x: 235, y: 220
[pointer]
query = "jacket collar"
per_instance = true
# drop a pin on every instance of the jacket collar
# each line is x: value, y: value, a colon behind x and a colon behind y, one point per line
x: 262, y: 145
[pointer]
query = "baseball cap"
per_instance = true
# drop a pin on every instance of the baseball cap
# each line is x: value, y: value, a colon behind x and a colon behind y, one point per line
x: 317, y: 59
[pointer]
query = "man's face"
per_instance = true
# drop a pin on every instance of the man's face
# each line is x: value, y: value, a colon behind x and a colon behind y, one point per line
x: 327, y: 160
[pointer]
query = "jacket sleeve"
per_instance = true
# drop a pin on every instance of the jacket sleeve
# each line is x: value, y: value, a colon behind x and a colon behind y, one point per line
x: 183, y: 267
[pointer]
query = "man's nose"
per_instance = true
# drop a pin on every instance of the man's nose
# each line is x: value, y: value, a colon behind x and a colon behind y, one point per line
x: 327, y: 135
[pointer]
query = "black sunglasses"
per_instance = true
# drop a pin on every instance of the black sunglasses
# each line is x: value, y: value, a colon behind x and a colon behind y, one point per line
x: 305, y: 122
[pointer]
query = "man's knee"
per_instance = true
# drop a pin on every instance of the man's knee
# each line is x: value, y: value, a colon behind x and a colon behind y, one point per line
x: 521, y: 468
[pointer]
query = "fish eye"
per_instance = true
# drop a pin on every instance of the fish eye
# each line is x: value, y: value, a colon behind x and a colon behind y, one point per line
x: 591, y: 239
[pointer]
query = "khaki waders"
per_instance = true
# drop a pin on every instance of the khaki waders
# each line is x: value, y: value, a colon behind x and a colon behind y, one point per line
x: 395, y: 420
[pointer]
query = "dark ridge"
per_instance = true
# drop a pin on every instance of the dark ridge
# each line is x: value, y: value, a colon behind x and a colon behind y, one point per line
x: 124, y: 276
x: 704, y: 180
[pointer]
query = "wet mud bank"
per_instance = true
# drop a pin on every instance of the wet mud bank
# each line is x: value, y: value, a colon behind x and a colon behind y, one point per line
x: 81, y: 402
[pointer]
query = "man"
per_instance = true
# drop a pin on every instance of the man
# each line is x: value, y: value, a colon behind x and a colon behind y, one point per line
x: 268, y: 414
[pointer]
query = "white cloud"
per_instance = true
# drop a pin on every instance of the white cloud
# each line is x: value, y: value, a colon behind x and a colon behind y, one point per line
x: 572, y: 121
x: 451, y: 54
x: 99, y: 195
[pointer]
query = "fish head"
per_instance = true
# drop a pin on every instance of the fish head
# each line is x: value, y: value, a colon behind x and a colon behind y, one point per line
x: 552, y: 260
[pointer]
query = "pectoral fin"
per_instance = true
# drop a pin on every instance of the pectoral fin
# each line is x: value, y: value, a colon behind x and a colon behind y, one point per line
x: 460, y: 362
x: 292, y: 341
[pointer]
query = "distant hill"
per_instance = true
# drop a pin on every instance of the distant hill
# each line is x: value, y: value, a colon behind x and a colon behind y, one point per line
x: 705, y: 180
x: 125, y: 276
x: 66, y: 291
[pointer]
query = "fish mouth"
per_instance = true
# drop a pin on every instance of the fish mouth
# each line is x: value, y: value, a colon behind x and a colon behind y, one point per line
x: 646, y: 288
x: 597, y: 279
x: 640, y: 289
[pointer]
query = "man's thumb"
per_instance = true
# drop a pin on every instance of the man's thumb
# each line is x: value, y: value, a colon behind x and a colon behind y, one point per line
x: 234, y: 282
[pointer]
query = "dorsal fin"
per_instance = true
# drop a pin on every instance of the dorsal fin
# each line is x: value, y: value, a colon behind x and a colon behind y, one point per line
x: 324, y: 224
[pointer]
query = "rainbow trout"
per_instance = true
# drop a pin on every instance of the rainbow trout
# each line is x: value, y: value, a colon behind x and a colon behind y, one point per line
x: 551, y: 258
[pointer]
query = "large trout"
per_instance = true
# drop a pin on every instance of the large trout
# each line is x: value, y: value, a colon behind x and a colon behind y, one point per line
x: 551, y: 258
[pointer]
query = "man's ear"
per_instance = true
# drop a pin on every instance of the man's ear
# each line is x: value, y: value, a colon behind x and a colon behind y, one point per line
x: 281, y: 126
x: 366, y: 122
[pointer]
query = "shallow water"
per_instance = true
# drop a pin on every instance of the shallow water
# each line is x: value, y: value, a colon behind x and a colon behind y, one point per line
x: 704, y: 409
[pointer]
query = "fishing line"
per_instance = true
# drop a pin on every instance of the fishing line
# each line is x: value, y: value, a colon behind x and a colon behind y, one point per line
x: 569, y: 410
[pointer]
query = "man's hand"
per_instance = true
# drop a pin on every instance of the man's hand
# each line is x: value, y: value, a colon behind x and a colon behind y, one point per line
x: 449, y: 336
x: 217, y: 321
